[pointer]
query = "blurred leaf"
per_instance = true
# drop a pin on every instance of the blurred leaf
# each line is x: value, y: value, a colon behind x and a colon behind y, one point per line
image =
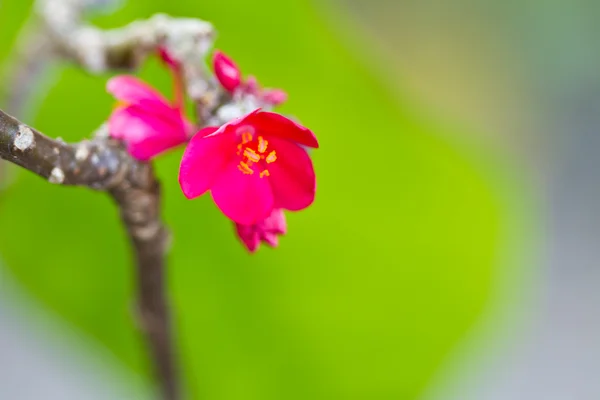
x: 369, y: 291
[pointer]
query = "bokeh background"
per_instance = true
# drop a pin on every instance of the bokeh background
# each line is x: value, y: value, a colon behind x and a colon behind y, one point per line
x: 450, y: 253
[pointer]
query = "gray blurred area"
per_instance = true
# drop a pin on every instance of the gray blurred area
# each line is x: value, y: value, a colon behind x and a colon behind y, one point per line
x: 43, y: 359
x: 527, y: 74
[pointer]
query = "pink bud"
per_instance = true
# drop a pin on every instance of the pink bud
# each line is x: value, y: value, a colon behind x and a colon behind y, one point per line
x: 227, y: 72
x: 251, y: 85
x: 266, y: 231
x: 274, y: 96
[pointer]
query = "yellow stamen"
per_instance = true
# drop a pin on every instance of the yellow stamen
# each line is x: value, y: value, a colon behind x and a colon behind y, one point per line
x: 251, y: 155
x: 245, y: 168
x: 262, y: 144
x: 246, y: 137
x: 272, y: 157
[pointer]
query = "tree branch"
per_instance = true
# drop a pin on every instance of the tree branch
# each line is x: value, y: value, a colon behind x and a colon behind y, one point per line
x: 102, y: 164
x: 187, y: 40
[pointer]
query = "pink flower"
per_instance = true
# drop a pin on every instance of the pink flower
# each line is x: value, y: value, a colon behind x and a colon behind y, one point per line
x: 230, y: 77
x: 144, y: 119
x: 266, y: 231
x: 251, y: 165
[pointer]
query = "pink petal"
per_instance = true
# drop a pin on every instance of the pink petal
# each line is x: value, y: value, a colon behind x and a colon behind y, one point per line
x: 129, y: 126
x: 273, y: 124
x: 152, y: 146
x: 131, y: 90
x: 249, y: 236
x: 168, y: 119
x: 271, y: 239
x: 267, y: 230
x: 227, y: 71
x: 274, y: 97
x: 245, y: 199
x: 209, y: 130
x: 124, y: 121
x: 292, y: 176
x: 275, y: 222
x: 203, y: 161
x: 146, y: 135
x: 232, y: 127
x: 117, y: 122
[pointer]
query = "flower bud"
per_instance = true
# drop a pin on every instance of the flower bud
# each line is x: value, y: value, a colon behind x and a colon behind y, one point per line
x: 267, y: 231
x: 227, y: 72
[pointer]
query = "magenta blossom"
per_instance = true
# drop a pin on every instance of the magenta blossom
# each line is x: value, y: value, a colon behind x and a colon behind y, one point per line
x: 230, y: 77
x: 144, y: 119
x: 267, y: 231
x: 251, y: 166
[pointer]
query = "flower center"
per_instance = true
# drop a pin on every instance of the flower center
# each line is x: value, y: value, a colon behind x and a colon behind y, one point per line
x: 254, y: 152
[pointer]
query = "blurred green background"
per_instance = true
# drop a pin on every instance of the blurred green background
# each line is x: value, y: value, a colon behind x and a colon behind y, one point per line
x: 373, y: 287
